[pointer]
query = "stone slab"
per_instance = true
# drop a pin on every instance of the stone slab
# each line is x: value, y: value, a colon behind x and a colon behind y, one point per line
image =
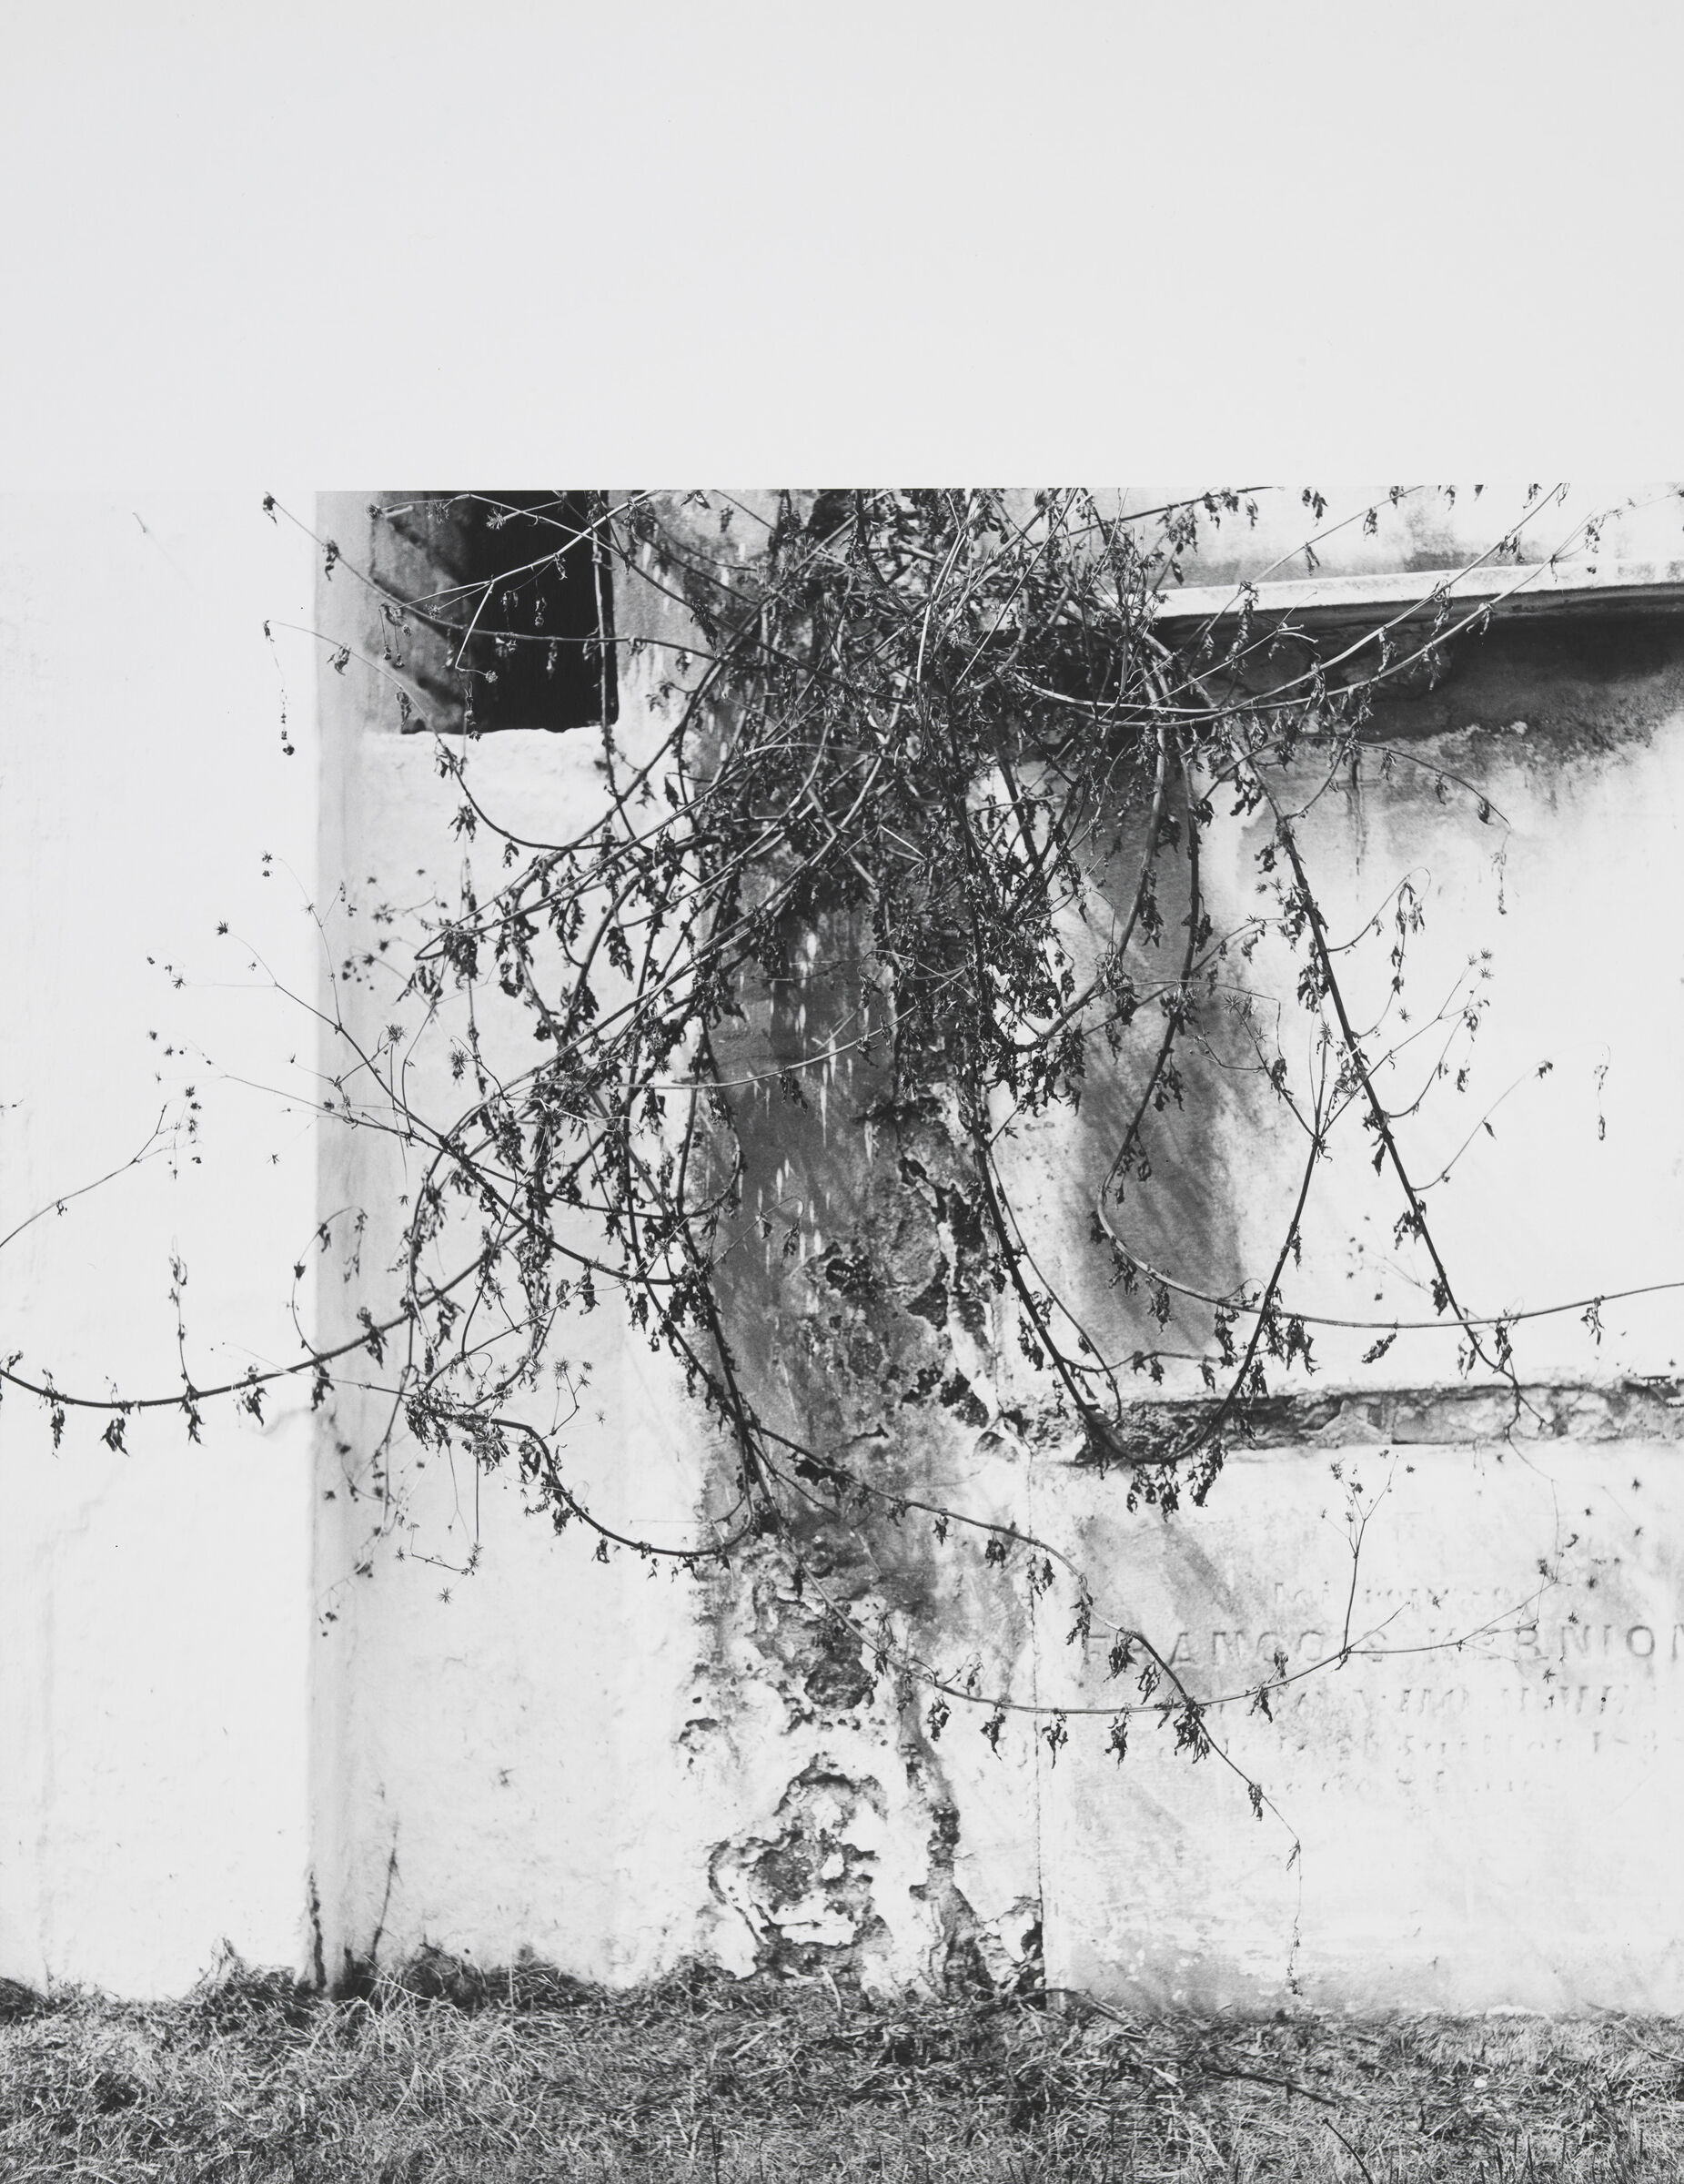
x: 1486, y: 1797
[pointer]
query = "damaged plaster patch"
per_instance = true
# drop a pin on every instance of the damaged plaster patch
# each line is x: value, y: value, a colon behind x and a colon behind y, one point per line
x: 830, y: 1882
x: 806, y: 1889
x: 971, y: 1955
x: 799, y: 1652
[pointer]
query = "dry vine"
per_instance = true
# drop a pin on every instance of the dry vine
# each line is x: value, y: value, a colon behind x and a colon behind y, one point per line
x: 929, y: 752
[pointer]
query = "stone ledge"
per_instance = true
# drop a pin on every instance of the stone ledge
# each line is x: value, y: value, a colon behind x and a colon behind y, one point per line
x: 1504, y: 589
x: 1649, y: 1408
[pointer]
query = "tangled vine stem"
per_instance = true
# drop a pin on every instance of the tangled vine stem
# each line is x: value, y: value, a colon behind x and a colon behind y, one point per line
x: 930, y: 753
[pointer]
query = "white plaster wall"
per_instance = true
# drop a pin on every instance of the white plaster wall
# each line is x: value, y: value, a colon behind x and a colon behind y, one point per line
x: 1483, y: 1823
x: 553, y: 1753
x: 495, y: 1757
x: 1577, y: 1188
x: 574, y: 1758
x: 206, y: 1709
x: 153, y: 1605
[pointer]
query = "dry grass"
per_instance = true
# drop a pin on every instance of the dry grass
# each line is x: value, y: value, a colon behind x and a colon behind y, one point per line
x: 524, y: 2075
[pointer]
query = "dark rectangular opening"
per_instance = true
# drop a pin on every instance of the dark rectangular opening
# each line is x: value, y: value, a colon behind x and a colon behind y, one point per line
x: 522, y: 604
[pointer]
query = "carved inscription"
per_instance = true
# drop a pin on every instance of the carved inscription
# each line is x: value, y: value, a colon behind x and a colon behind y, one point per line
x: 1495, y: 1698
x: 1470, y: 1744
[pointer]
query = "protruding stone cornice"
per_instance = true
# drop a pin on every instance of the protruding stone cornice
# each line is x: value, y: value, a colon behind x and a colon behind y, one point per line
x: 1526, y: 588
x: 1645, y: 1409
